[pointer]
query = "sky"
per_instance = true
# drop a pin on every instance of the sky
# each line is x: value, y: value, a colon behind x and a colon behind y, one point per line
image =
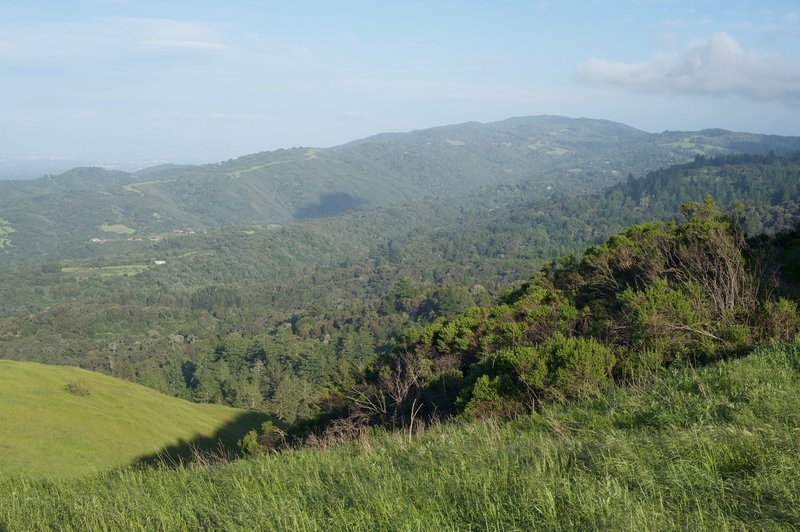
x: 201, y: 81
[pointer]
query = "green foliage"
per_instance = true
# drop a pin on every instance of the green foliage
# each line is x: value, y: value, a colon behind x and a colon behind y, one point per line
x: 286, y: 186
x: 781, y: 319
x: 655, y: 295
x: 256, y: 443
x: 578, y: 367
x: 671, y: 321
x: 297, y: 294
x: 249, y: 444
x: 491, y: 397
x: 528, y: 364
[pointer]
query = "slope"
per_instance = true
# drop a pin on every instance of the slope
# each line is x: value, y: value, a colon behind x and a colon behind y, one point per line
x: 291, y: 298
x: 52, y: 215
x: 715, y: 448
x: 102, y: 423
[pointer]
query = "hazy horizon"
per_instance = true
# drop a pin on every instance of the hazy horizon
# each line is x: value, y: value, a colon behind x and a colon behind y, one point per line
x: 192, y: 82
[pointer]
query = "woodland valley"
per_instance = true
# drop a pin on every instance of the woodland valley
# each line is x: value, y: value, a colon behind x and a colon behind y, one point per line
x: 537, y: 323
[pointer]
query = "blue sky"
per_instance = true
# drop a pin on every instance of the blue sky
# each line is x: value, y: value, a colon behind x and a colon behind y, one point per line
x: 204, y: 81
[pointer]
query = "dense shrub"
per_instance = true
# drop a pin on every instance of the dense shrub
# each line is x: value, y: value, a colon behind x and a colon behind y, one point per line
x: 657, y: 294
x: 77, y: 388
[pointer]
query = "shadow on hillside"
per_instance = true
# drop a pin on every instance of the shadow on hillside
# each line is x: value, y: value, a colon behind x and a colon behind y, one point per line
x: 221, y: 445
x: 331, y: 204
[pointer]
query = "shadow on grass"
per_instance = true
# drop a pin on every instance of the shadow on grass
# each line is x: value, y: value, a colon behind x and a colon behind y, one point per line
x: 221, y: 445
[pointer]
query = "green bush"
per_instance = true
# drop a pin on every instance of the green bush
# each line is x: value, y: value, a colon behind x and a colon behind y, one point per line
x: 528, y: 364
x: 256, y: 443
x: 578, y: 367
x: 492, y: 397
x: 673, y: 321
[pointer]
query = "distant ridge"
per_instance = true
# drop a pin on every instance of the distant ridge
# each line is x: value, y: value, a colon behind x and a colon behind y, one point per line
x: 51, y: 215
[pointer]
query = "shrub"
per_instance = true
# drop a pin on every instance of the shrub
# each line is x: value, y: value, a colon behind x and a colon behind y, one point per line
x: 674, y: 321
x: 578, y: 367
x: 528, y: 365
x: 77, y: 388
x: 780, y: 320
x: 491, y: 397
x: 256, y: 443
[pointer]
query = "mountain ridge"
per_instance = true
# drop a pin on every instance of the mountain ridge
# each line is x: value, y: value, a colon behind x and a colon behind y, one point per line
x: 53, y: 214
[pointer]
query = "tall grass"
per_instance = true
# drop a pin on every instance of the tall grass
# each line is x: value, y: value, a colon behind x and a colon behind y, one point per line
x: 716, y: 448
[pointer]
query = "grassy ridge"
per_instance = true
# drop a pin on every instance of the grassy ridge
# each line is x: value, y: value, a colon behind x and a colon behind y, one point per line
x: 715, y: 448
x: 47, y: 431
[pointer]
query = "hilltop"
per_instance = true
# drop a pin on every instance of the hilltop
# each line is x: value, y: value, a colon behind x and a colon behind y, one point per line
x: 63, y: 421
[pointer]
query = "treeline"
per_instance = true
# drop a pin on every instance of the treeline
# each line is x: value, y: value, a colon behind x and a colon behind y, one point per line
x: 655, y: 295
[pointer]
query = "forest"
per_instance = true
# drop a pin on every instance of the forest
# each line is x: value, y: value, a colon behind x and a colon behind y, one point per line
x: 289, y: 320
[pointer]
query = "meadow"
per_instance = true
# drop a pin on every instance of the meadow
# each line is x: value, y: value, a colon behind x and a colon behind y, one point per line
x: 60, y: 422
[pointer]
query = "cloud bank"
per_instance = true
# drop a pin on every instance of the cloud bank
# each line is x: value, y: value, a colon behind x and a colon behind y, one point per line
x: 716, y: 66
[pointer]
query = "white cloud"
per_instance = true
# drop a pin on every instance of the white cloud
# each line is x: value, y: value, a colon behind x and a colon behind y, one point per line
x: 714, y: 66
x: 104, y: 37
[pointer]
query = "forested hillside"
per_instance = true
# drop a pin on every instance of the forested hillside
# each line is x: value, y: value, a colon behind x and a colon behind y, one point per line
x: 274, y: 292
x: 714, y: 447
x: 655, y: 295
x: 285, y: 319
x: 56, y: 216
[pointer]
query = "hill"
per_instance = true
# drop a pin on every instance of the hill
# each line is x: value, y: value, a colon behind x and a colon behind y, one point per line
x: 299, y: 305
x: 52, y: 215
x: 714, y: 448
x: 62, y: 421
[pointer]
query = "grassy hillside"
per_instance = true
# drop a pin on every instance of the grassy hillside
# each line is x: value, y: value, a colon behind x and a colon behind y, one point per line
x: 103, y: 423
x: 715, y: 448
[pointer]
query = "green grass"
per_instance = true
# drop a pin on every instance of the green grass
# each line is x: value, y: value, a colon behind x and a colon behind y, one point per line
x: 46, y: 431
x: 119, y: 229
x: 106, y: 271
x: 716, y: 448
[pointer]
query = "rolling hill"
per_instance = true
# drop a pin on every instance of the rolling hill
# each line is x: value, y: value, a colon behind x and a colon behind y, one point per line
x: 300, y: 291
x: 99, y: 423
x: 51, y: 215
